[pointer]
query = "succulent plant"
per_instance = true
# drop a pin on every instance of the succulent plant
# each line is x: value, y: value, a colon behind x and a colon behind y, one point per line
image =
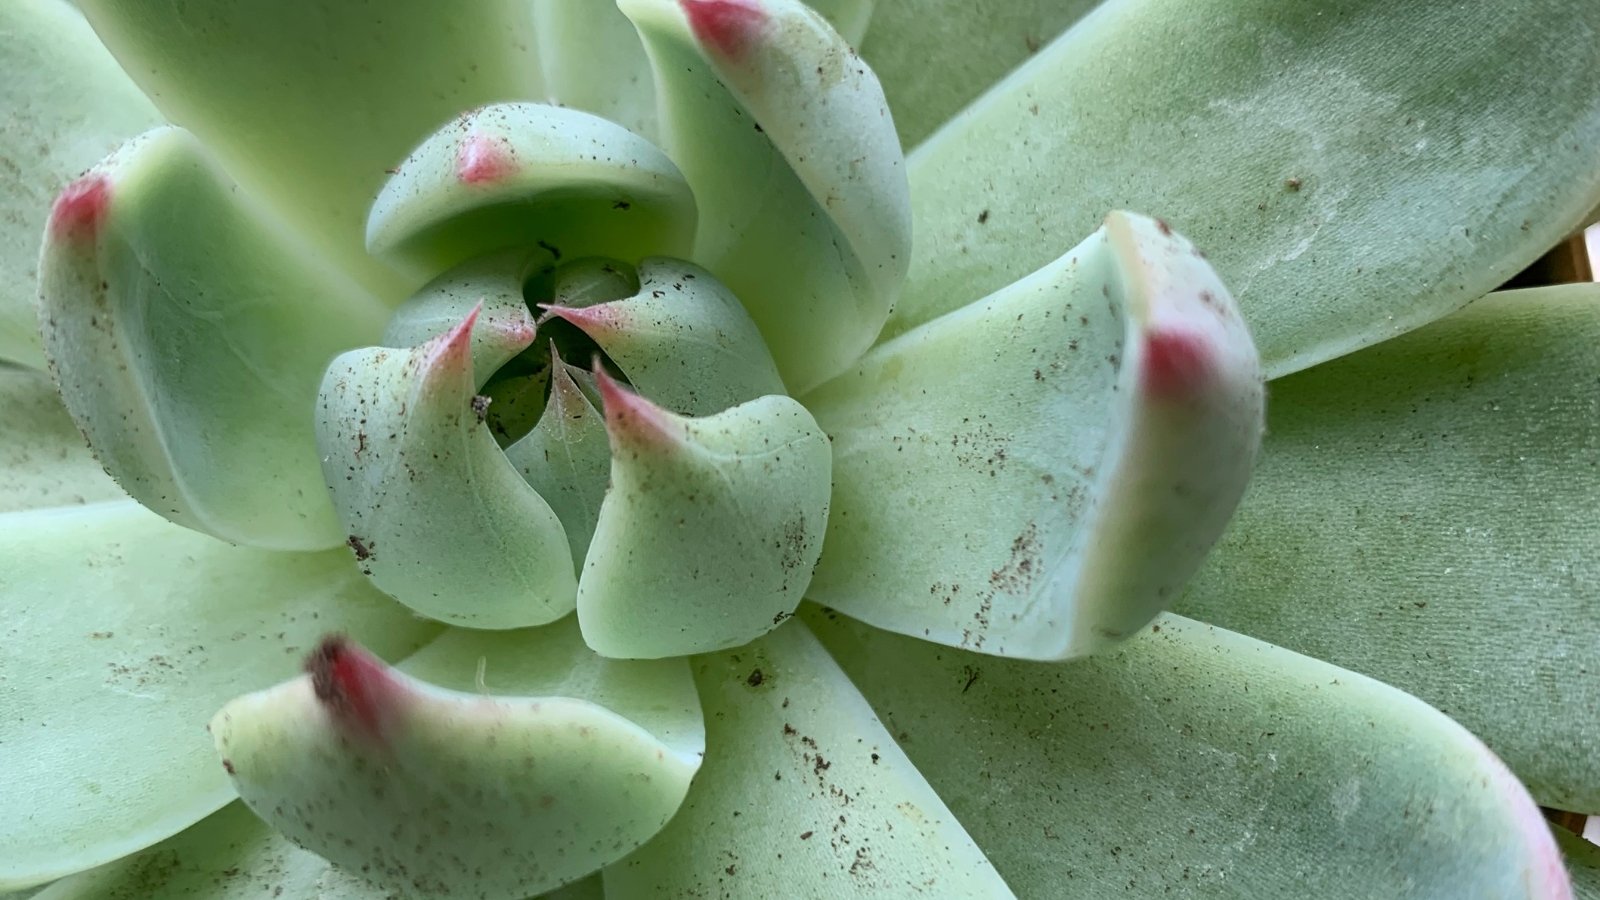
x: 571, y: 447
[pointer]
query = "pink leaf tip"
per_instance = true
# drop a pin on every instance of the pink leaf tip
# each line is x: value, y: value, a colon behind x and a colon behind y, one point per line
x: 629, y: 415
x: 727, y: 27
x: 483, y: 158
x: 591, y: 320
x: 354, y: 686
x: 1176, y: 361
x: 453, y: 349
x: 81, y: 208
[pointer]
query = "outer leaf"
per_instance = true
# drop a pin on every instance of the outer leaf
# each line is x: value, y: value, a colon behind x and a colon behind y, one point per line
x: 308, y: 102
x: 123, y: 632
x: 1355, y: 169
x: 593, y: 61
x: 683, y: 340
x: 1038, y: 474
x: 1425, y: 513
x: 230, y: 855
x: 435, y: 513
x: 935, y: 56
x: 710, y: 528
x: 1198, y: 762
x: 67, y: 105
x: 785, y: 137
x: 494, y: 793
x: 43, y: 459
x: 523, y: 174
x: 187, y: 329
x: 804, y: 795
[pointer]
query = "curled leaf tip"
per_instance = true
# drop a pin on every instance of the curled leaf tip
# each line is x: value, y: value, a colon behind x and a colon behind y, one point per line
x: 80, y: 208
x: 351, y: 684
x: 453, y: 348
x: 484, y: 158
x: 1176, y: 361
x: 629, y: 417
x: 725, y: 27
x: 591, y: 320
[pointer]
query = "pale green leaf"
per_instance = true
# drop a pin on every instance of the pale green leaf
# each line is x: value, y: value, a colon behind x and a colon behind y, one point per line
x: 593, y: 61
x: 122, y: 633
x: 1355, y: 169
x: 67, y: 105
x: 524, y: 175
x: 43, y: 458
x: 485, y: 787
x: 682, y: 340
x: 434, y: 512
x: 1195, y: 762
x: 710, y: 529
x: 188, y: 329
x: 566, y: 458
x: 786, y: 139
x: 803, y: 795
x: 1424, y: 513
x: 1039, y: 473
x: 935, y: 56
x: 492, y: 284
x: 229, y: 855
x: 309, y: 102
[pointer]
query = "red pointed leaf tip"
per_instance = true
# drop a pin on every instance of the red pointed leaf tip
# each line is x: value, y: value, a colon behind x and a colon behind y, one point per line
x: 484, y: 158
x: 726, y: 27
x: 591, y: 320
x: 81, y: 208
x: 629, y: 415
x: 1176, y: 361
x: 453, y: 349
x: 355, y: 687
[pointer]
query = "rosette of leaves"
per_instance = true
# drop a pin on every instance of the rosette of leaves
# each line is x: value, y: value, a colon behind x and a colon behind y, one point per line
x: 484, y: 390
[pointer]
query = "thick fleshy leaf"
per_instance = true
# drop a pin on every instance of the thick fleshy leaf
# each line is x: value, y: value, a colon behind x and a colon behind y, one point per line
x: 522, y: 763
x: 526, y: 174
x: 1353, y: 173
x: 229, y: 855
x: 935, y: 56
x: 491, y: 284
x: 593, y: 61
x: 785, y: 136
x: 122, y: 633
x: 1196, y: 761
x: 187, y: 329
x: 43, y: 459
x: 710, y: 529
x: 566, y: 458
x: 67, y: 105
x: 435, y: 513
x: 683, y: 340
x: 308, y: 102
x: 1037, y: 474
x: 1424, y: 513
x: 803, y: 795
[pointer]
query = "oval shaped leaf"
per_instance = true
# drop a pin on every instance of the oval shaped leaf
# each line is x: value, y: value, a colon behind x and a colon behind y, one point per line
x: 188, y: 330
x: 1039, y: 473
x: 710, y: 529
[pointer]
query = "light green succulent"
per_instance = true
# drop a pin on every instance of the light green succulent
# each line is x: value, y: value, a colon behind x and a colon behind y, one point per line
x: 555, y: 351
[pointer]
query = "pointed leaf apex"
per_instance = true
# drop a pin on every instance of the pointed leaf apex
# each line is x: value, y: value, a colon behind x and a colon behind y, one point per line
x: 591, y: 320
x: 630, y: 418
x: 452, y: 350
x: 726, y: 28
x: 81, y: 208
x: 484, y: 158
x: 1176, y: 361
x: 355, y: 687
